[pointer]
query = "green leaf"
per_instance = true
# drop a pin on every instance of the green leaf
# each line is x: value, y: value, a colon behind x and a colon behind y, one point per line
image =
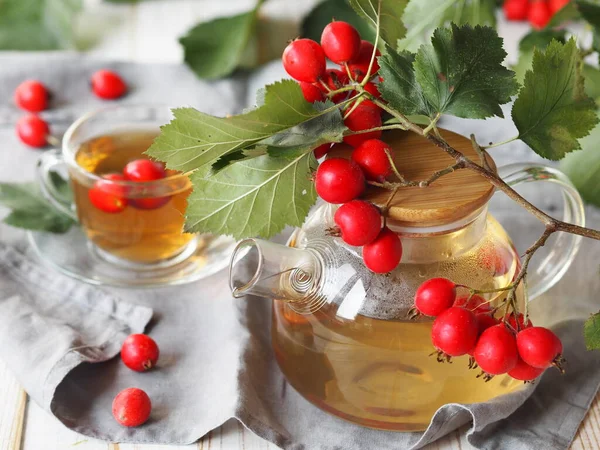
x: 30, y: 210
x: 399, y: 87
x: 583, y: 167
x: 322, y: 14
x: 552, y: 110
x: 592, y: 82
x: 37, y: 24
x: 391, y: 27
x: 534, y: 39
x: 256, y: 197
x: 194, y: 139
x: 216, y: 48
x: 422, y: 17
x: 589, y: 11
x: 567, y: 13
x: 591, y: 332
x: 461, y: 72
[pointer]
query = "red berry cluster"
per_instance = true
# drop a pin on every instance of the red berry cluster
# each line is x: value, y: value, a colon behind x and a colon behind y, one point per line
x: 537, y: 12
x: 465, y: 325
x: 110, y: 196
x: 132, y: 406
x: 33, y: 96
x: 338, y: 180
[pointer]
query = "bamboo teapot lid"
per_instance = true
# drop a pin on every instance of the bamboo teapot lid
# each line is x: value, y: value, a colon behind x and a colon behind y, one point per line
x: 448, y: 199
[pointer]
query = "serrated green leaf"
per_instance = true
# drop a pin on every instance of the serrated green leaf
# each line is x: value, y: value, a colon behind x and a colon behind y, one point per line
x: 214, y: 49
x: 324, y: 12
x: 258, y: 197
x: 461, y: 72
x: 591, y: 332
x: 583, y: 167
x: 391, y: 27
x: 194, y: 139
x: 399, y: 86
x: 30, y: 210
x: 422, y: 17
x: 531, y: 41
x: 552, y: 110
x: 38, y: 24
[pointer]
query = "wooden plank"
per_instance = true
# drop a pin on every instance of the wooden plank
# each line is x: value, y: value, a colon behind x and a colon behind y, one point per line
x: 588, y: 435
x: 12, y: 410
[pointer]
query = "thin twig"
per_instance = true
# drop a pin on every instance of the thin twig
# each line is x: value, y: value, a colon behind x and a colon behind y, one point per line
x: 481, y: 152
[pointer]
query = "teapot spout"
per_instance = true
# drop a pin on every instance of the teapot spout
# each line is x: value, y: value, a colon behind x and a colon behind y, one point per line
x: 274, y: 271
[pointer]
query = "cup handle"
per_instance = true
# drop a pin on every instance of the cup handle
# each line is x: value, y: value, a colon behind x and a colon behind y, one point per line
x: 50, y: 160
x: 565, y: 247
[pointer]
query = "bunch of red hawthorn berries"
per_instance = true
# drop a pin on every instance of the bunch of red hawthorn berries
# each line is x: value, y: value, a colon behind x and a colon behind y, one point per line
x: 537, y: 12
x: 33, y: 96
x: 465, y: 325
x: 338, y: 180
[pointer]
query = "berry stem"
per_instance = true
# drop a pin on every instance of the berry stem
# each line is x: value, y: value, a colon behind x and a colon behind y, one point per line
x: 374, y: 54
x: 498, y: 144
x: 382, y: 128
x: 481, y: 152
x: 432, y: 124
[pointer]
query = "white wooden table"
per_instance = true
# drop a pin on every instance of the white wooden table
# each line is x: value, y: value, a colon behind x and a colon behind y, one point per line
x: 148, y: 32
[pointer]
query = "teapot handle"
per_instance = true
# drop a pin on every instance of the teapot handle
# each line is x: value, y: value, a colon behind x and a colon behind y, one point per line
x: 565, y: 246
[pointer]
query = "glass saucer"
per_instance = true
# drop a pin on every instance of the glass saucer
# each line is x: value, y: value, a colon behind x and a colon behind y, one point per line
x: 73, y: 254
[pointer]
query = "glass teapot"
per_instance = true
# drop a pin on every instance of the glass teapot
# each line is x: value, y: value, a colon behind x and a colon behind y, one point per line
x: 341, y: 334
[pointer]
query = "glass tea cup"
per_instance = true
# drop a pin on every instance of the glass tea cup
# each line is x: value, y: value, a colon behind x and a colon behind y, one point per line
x: 127, y: 226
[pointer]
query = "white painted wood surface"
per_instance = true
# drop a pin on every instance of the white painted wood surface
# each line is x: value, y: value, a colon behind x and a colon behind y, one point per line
x: 148, y: 32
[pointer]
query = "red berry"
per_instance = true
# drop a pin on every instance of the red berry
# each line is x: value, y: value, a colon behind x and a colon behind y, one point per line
x: 485, y: 321
x: 311, y: 92
x: 304, y: 60
x: 339, y: 180
x: 538, y: 346
x: 32, y: 96
x: 144, y: 170
x: 371, y: 88
x: 139, y: 352
x: 33, y: 131
x: 335, y: 79
x: 475, y: 303
x: 539, y: 14
x: 372, y: 158
x: 108, y: 85
x: 131, y: 407
x: 359, y: 222
x: 516, y: 9
x: 360, y: 65
x: 510, y: 320
x: 524, y: 372
x: 454, y: 332
x: 321, y: 150
x: 363, y: 117
x: 496, y: 350
x: 108, y: 195
x: 557, y: 5
x: 435, y: 296
x: 340, y: 42
x: 383, y: 254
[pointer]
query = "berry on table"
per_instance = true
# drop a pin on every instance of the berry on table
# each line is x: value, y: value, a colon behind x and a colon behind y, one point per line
x: 131, y: 407
x: 139, y: 352
x: 383, y: 254
x: 108, y: 85
x: 32, y: 96
x: 108, y: 195
x: 435, y: 296
x: 33, y: 131
x: 496, y: 350
x: 304, y: 60
x: 516, y: 9
x: 311, y: 92
x: 340, y: 42
x: 373, y: 159
x: 359, y: 222
x: 360, y: 65
x: 362, y: 118
x: 524, y: 372
x: 144, y: 170
x: 539, y: 14
x: 339, y: 180
x: 539, y: 347
x: 454, y: 332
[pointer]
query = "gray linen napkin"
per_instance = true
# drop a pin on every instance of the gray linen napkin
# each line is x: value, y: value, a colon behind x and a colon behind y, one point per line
x: 216, y: 359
